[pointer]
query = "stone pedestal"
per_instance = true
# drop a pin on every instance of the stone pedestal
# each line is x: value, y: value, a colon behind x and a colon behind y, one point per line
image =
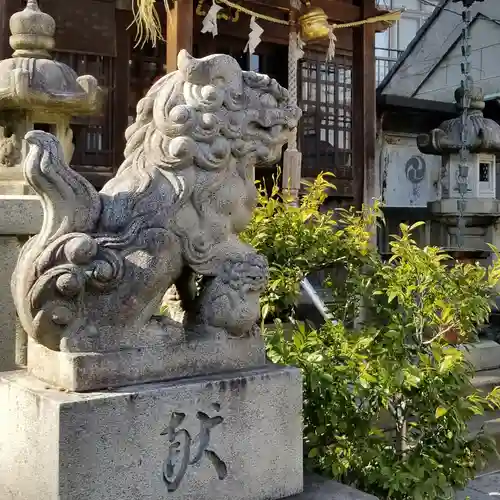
x: 157, y: 357
x: 9, y: 250
x: 318, y: 488
x: 483, y: 355
x: 20, y: 217
x: 480, y: 218
x: 236, y: 436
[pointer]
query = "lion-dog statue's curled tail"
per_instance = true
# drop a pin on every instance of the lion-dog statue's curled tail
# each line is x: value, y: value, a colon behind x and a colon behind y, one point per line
x: 103, y: 260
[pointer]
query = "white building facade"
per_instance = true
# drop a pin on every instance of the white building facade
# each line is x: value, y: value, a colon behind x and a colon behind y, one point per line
x: 390, y: 44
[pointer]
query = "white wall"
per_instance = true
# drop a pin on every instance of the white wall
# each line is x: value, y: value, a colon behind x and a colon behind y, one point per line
x: 408, y: 178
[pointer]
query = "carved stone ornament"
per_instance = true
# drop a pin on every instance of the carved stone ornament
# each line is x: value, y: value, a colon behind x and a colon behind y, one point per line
x: 32, y: 80
x: 483, y: 134
x: 92, y: 280
x: 10, y: 156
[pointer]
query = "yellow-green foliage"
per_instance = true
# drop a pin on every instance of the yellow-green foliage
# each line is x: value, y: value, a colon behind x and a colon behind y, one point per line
x: 300, y: 238
x: 391, y: 369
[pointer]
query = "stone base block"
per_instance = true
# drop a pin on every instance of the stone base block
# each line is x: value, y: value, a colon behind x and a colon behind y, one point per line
x: 15, y: 188
x: 21, y: 215
x: 236, y: 436
x: 318, y: 488
x: 9, y: 251
x: 149, y: 363
x: 483, y: 355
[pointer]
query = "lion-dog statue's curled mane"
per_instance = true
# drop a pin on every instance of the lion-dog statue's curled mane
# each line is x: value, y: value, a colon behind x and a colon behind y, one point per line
x: 103, y: 260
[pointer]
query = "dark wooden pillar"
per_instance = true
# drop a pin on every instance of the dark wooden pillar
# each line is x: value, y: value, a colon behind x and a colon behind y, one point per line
x: 121, y: 83
x: 7, y: 8
x: 4, y: 29
x: 180, y: 22
x: 363, y: 104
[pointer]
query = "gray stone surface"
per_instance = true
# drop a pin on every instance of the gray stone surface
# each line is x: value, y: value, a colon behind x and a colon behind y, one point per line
x: 162, y: 358
x: 20, y: 215
x: 56, y: 445
x: 318, y: 488
x: 470, y: 494
x: 484, y: 487
x: 9, y: 251
x: 91, y: 282
x: 483, y: 355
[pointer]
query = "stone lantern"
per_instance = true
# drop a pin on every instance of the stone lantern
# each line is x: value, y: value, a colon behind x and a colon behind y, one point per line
x: 481, y: 208
x: 36, y: 91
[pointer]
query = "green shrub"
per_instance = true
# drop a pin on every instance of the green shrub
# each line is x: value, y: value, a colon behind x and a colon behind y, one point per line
x: 386, y: 404
x: 383, y: 418
x: 299, y: 239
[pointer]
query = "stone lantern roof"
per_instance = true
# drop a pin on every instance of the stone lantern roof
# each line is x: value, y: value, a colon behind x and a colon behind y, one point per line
x: 483, y: 134
x: 32, y: 80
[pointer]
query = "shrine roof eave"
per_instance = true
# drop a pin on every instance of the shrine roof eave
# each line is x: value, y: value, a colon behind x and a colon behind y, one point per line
x: 386, y: 102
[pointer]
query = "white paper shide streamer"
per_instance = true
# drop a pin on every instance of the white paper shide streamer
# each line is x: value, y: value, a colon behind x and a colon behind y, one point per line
x: 254, y: 36
x: 330, y: 54
x: 210, y: 20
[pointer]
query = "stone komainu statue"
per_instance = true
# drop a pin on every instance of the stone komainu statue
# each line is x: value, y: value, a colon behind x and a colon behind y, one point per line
x: 103, y: 260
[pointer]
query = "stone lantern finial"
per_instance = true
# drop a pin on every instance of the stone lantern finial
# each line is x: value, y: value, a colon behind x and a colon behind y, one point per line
x: 476, y: 98
x: 35, y: 88
x: 32, y: 32
x: 483, y: 134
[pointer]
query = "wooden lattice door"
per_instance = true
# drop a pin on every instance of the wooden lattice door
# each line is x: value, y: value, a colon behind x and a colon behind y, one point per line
x: 326, y: 127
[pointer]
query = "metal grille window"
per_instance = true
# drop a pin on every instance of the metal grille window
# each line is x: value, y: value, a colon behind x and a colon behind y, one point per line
x: 93, y: 136
x: 326, y: 135
x: 385, y: 59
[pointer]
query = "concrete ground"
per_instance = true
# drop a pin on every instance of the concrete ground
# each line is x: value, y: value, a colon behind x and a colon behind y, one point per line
x: 484, y: 487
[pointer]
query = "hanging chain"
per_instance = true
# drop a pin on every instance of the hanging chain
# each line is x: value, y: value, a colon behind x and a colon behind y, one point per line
x: 463, y: 165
